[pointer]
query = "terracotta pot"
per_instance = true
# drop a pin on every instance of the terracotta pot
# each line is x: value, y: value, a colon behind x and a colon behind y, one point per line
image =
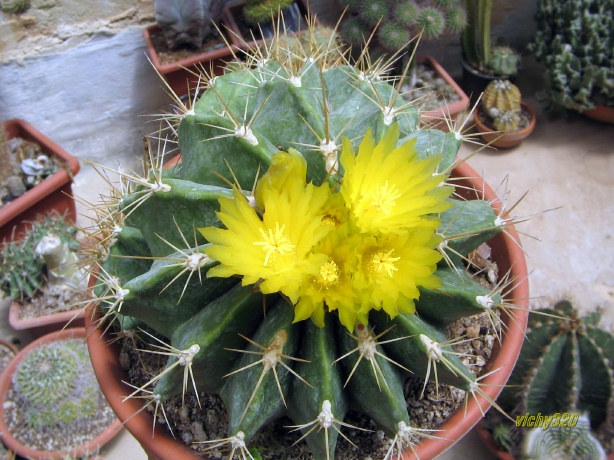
x: 41, y: 325
x: 5, y: 382
x: 506, y: 251
x: 52, y: 194
x: 507, y: 140
x: 434, y: 117
x: 604, y: 113
x: 182, y: 75
x: 242, y: 38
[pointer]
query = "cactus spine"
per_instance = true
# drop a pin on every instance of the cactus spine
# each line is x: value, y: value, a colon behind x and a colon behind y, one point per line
x: 349, y: 222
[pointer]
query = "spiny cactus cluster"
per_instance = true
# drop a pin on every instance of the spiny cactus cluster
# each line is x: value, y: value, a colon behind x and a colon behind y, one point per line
x: 396, y: 23
x: 574, y: 42
x: 565, y: 367
x: 56, y: 393
x: 309, y: 218
x: 501, y: 102
x: 23, y: 270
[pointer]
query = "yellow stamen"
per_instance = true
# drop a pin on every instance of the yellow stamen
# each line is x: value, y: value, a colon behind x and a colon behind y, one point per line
x: 329, y: 274
x: 274, y: 242
x: 384, y: 197
x: 382, y: 263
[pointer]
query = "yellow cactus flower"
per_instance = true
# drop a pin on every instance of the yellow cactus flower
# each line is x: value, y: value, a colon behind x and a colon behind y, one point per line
x: 388, y: 189
x: 274, y: 251
x: 331, y: 286
x: 391, y: 269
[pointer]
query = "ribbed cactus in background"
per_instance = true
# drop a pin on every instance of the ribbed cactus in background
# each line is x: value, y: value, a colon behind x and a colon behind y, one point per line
x: 301, y: 299
x: 503, y: 61
x: 565, y: 367
x: 501, y: 102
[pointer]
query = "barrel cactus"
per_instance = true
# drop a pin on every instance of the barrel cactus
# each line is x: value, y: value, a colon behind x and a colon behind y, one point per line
x: 501, y: 102
x: 281, y: 261
x: 565, y: 378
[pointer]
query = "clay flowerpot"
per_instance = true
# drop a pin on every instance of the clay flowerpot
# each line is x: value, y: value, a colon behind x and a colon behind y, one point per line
x: 602, y: 113
x: 182, y: 74
x: 507, y: 253
x: 41, y: 325
x: 435, y: 117
x: 53, y: 193
x: 5, y: 383
x: 504, y: 140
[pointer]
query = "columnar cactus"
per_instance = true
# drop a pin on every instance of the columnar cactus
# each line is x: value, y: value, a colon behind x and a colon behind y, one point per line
x: 565, y: 367
x: 280, y: 267
x: 501, y: 102
x: 23, y: 270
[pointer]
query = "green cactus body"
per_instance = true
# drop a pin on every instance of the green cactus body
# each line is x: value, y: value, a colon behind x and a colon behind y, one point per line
x: 268, y: 361
x: 503, y: 61
x: 564, y: 366
x: 259, y: 11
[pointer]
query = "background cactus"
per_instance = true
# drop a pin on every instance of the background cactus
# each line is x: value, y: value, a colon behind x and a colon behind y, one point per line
x: 565, y: 366
x: 501, y: 102
x: 399, y: 21
x: 56, y: 395
x: 257, y: 11
x: 574, y: 42
x: 23, y: 271
x: 284, y: 128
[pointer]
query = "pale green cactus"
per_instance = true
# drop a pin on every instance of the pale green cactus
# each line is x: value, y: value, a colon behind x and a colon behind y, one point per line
x: 279, y: 268
x: 501, y: 102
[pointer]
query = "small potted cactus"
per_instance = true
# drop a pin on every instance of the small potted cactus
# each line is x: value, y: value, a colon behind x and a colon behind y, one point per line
x: 44, y: 176
x: 561, y: 392
x: 501, y: 117
x: 308, y: 221
x: 574, y: 42
x: 42, y: 275
x: 51, y: 406
x: 483, y: 62
x: 388, y: 28
x: 190, y: 36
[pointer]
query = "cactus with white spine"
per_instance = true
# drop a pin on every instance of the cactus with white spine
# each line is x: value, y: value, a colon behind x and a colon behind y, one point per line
x: 565, y: 367
x: 287, y: 266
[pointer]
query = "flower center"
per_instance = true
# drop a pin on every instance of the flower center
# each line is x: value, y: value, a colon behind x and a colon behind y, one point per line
x: 383, y: 198
x: 329, y: 274
x: 274, y: 243
x: 382, y: 264
x: 330, y: 220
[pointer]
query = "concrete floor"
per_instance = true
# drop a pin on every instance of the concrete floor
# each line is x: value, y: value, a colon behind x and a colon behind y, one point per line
x: 95, y: 113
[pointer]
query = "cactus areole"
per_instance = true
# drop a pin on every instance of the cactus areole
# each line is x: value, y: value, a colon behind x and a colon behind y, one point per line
x: 301, y: 254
